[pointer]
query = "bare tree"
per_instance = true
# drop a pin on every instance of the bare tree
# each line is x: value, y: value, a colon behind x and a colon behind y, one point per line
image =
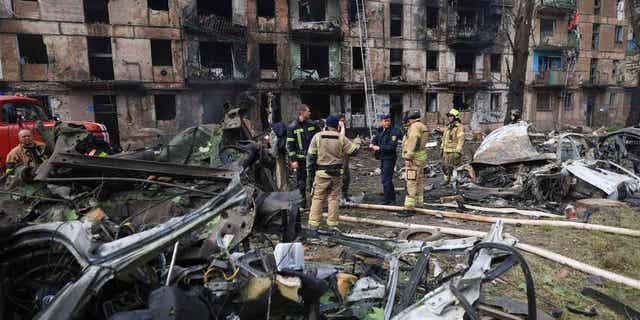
x: 518, y: 21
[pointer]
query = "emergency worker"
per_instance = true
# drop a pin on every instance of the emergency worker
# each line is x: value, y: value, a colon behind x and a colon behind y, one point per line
x: 414, y: 154
x: 326, y: 155
x: 299, y: 135
x: 385, y: 143
x: 452, y: 143
x: 29, y: 153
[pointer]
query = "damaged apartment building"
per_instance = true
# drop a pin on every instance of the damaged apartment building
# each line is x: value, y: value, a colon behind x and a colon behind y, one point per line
x: 583, y: 66
x: 171, y: 64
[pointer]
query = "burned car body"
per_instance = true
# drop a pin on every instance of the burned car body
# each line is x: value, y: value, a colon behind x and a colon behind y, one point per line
x: 516, y: 162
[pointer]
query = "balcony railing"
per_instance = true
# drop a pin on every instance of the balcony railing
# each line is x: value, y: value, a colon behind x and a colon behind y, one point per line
x: 471, y: 35
x: 551, y: 78
x: 569, y: 42
x: 215, y: 72
x: 558, y: 6
x: 324, y: 30
x: 213, y: 25
x: 597, y: 79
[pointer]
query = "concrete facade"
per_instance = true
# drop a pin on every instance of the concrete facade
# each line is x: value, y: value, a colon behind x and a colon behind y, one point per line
x: 174, y: 63
x: 588, y: 80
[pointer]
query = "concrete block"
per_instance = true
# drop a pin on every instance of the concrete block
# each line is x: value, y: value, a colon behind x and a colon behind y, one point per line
x: 157, y: 33
x: 123, y: 31
x: 62, y: 10
x: 76, y: 29
x: 128, y: 12
x: 9, y: 56
x: 26, y: 9
x: 26, y: 26
x: 132, y: 59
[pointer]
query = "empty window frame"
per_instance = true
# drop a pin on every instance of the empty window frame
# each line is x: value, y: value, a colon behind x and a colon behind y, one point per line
x: 217, y: 55
x: 100, y: 58
x: 357, y: 103
x: 96, y: 11
x: 312, y: 10
x: 616, y: 72
x: 220, y: 8
x: 158, y: 5
x: 165, y: 107
x: 266, y: 8
x: 395, y: 63
x: 547, y: 28
x: 432, y: 60
x: 432, y: 102
x: 495, y: 101
x: 105, y: 111
x: 496, y: 62
x: 596, y: 7
x: 268, y: 56
x: 567, y: 101
x: 465, y: 61
x: 320, y: 104
x: 619, y: 34
x: 395, y: 29
x: 468, y: 20
x: 355, y: 9
x: 161, y: 53
x: 595, y: 36
x: 543, y: 101
x: 315, y: 58
x: 612, y: 99
x: 356, y: 58
x: 32, y: 49
x: 432, y: 17
x: 593, y: 70
x: 463, y: 101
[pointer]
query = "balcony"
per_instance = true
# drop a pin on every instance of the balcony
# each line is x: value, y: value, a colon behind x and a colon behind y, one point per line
x: 556, y: 7
x: 217, y: 74
x: 598, y: 80
x: 214, y: 26
x: 316, y: 31
x: 469, y: 35
x: 569, y: 42
x: 550, y: 78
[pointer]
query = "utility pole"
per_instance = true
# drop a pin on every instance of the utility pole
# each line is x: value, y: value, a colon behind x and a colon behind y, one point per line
x: 522, y: 24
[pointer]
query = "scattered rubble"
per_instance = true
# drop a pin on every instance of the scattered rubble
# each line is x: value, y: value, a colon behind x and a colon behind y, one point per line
x: 197, y: 230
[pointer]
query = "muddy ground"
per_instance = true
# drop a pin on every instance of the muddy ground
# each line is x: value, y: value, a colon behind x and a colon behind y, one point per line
x: 556, y: 286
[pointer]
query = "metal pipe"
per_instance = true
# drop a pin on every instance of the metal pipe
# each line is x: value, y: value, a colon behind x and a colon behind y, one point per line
x: 173, y: 262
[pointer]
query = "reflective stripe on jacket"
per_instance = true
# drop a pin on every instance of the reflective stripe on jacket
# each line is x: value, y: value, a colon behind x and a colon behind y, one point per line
x: 414, y: 142
x: 299, y: 136
x: 330, y: 149
x: 453, y: 138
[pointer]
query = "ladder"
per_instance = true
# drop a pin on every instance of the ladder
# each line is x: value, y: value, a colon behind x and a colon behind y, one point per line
x: 369, y: 91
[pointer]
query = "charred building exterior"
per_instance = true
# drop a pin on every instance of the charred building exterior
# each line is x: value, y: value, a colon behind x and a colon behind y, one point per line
x: 583, y: 65
x: 170, y: 64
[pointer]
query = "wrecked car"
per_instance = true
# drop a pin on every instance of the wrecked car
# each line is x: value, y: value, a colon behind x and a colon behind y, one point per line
x: 516, y: 162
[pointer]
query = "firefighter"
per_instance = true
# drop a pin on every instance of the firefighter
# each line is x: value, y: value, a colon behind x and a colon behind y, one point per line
x: 326, y: 156
x: 384, y: 144
x: 414, y: 154
x: 28, y: 153
x: 451, y: 146
x: 299, y: 136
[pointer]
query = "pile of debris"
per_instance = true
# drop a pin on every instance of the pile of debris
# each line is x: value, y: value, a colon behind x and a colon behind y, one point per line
x: 196, y: 230
x: 533, y: 169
